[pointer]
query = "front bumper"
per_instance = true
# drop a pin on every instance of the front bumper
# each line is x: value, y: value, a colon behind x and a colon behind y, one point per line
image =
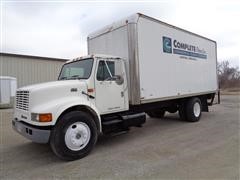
x: 32, y: 133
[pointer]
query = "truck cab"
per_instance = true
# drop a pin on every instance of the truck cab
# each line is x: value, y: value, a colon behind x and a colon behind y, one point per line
x: 105, y: 78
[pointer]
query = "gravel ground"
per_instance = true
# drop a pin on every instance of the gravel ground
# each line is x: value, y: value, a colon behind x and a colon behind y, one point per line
x: 161, y: 149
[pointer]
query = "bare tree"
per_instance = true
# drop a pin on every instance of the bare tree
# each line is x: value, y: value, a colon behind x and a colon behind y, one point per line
x: 228, y: 76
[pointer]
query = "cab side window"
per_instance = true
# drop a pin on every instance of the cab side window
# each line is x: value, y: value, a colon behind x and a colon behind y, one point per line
x: 111, y: 67
x: 103, y: 73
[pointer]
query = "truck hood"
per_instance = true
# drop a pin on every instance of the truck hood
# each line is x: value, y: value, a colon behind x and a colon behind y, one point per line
x: 44, y: 93
x: 53, y: 85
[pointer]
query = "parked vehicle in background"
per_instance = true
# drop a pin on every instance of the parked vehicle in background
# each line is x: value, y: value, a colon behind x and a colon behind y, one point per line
x: 8, y: 86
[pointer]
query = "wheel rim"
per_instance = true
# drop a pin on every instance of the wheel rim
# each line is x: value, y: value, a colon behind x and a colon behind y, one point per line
x: 196, y: 109
x: 77, y: 136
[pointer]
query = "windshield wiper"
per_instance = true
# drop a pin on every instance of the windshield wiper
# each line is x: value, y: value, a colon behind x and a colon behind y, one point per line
x: 75, y: 77
x: 63, y: 78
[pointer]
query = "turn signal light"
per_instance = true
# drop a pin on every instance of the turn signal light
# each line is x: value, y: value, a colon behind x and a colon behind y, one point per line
x: 45, y: 117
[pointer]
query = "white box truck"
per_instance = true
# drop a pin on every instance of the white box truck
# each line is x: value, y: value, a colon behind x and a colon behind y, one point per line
x: 136, y: 66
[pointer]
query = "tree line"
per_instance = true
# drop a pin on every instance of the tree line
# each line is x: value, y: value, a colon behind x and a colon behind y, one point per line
x: 228, y: 77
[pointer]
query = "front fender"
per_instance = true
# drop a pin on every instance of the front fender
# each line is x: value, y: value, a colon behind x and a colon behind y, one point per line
x: 57, y: 107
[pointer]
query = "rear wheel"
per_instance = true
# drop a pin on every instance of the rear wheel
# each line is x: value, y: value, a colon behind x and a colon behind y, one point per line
x: 182, y: 111
x: 190, y: 110
x: 74, y: 136
x: 193, y: 110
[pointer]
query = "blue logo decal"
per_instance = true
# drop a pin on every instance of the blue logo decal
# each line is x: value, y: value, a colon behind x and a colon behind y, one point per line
x: 167, y: 44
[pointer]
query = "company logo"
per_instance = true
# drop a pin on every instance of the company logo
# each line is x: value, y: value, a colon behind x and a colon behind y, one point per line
x: 183, y: 49
x: 167, y: 44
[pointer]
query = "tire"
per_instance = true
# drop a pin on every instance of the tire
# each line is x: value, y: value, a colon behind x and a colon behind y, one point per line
x: 74, y: 136
x: 193, y: 110
x: 156, y: 114
x: 182, y: 111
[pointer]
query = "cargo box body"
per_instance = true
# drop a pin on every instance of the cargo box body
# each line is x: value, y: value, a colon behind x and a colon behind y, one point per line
x: 163, y: 62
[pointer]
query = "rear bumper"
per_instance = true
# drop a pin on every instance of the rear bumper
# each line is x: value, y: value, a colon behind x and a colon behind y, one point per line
x: 32, y: 133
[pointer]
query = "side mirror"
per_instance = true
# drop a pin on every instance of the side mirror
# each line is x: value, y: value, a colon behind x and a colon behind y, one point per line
x: 118, y: 79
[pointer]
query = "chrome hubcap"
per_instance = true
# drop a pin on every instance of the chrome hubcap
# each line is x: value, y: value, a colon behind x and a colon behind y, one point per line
x: 196, y: 109
x: 77, y: 136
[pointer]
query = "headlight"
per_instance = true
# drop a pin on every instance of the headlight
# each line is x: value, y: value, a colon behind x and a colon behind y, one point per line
x: 44, y: 117
x: 34, y: 117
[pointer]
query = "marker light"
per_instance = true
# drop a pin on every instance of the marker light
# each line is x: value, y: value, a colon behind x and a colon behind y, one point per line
x: 45, y: 117
x: 90, y: 90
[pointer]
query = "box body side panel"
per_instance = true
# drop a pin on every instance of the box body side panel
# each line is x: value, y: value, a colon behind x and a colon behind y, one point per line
x: 174, y: 63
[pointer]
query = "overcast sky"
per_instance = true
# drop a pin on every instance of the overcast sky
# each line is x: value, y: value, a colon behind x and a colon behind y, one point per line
x: 59, y: 29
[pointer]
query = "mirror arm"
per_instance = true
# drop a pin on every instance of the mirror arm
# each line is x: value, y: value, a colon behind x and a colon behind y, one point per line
x: 90, y: 96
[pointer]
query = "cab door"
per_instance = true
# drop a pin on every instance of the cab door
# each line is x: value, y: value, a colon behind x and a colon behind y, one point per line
x: 110, y: 85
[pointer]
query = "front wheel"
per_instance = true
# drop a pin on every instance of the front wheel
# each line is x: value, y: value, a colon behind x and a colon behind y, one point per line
x: 74, y: 136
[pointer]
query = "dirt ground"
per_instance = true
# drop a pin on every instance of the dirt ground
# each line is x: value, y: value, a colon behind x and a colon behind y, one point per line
x: 161, y: 149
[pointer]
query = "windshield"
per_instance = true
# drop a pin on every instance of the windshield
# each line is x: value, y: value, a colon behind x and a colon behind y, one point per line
x: 77, y: 70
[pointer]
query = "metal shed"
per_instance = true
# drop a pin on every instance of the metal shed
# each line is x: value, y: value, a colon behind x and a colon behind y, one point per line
x: 30, y: 69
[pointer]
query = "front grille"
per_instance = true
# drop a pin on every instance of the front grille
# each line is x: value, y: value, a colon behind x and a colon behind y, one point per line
x: 22, y: 100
